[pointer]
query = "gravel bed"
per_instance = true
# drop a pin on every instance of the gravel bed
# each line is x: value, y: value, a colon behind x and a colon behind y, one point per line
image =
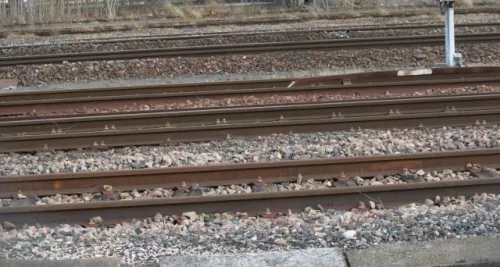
x: 238, y: 64
x: 235, y: 39
x: 275, y: 147
x: 141, y: 242
x: 302, y: 183
x: 277, y: 99
x: 14, y: 39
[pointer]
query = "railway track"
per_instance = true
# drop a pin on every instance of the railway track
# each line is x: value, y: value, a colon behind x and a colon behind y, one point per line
x: 251, y: 114
x: 12, y: 104
x: 254, y: 203
x: 247, y: 48
x: 26, y: 134
x: 428, y: 112
x: 195, y: 125
x: 433, y: 74
x: 177, y: 37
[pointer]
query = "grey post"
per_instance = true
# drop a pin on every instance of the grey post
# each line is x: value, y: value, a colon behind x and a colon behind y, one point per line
x: 452, y: 59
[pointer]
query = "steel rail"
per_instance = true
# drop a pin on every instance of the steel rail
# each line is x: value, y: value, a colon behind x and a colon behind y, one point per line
x: 171, y: 134
x: 354, y: 78
x: 152, y: 89
x: 227, y: 174
x: 247, y: 48
x: 346, y: 28
x: 52, y: 105
x: 248, y: 114
x: 253, y: 204
x: 177, y: 37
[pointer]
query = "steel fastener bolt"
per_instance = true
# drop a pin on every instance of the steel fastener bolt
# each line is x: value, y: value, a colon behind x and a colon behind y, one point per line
x: 268, y: 214
x: 343, y: 177
x: 183, y: 187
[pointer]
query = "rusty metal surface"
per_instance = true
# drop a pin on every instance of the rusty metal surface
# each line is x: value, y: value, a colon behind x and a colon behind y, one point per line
x: 248, y: 48
x: 253, y: 204
x: 52, y: 105
x: 250, y: 114
x: 149, y: 89
x: 354, y: 78
x: 71, y: 183
x: 171, y: 134
x: 393, y: 76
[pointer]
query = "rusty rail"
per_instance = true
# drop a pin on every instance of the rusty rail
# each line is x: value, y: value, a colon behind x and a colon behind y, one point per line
x: 250, y: 114
x: 256, y: 203
x: 366, y: 166
x: 81, y: 103
x: 353, y: 78
x: 248, y: 48
x: 169, y: 134
x: 253, y: 204
x: 436, y: 74
x: 139, y: 91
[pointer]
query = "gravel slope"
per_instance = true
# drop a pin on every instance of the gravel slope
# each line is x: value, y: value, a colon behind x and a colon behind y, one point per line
x: 256, y: 149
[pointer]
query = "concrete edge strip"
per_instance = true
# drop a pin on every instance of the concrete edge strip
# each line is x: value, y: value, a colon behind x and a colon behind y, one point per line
x: 476, y: 251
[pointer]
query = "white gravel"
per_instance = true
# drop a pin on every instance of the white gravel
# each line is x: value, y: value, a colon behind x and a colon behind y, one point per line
x: 144, y: 241
x: 275, y: 147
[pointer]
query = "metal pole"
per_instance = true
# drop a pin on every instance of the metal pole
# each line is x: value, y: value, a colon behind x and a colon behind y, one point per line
x: 450, y: 34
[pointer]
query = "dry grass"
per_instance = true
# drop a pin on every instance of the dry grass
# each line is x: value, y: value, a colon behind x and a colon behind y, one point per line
x: 191, y: 13
x: 213, y: 9
x: 436, y: 17
x: 383, y: 12
x: 54, y: 13
x: 464, y: 3
x: 245, y: 11
x: 173, y: 11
